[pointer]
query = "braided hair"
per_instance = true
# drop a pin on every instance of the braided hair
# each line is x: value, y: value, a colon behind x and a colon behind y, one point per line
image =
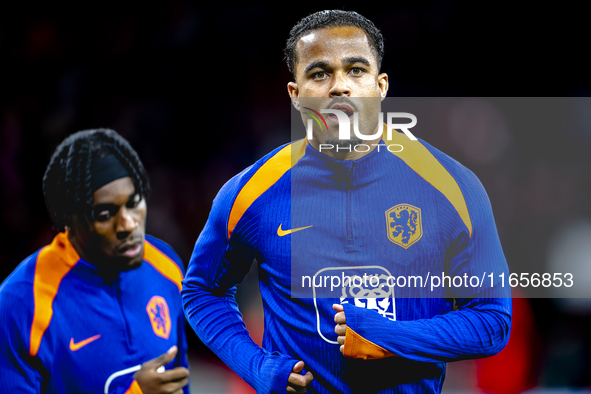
x: 67, y: 180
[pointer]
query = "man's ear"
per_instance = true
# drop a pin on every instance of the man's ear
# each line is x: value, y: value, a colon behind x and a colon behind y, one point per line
x: 77, y: 223
x: 292, y: 90
x: 69, y: 226
x: 383, y: 85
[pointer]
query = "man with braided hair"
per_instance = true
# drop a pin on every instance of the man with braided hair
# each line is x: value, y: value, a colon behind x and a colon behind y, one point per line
x: 98, y: 310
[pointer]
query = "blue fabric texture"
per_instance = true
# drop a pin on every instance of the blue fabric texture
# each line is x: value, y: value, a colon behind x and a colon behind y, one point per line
x: 86, y: 305
x: 358, y: 213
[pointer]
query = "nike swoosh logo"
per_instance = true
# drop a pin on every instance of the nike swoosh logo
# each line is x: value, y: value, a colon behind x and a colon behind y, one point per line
x: 76, y: 346
x: 283, y: 233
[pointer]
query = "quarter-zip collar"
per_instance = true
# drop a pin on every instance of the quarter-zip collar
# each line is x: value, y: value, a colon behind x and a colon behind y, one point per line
x: 342, y: 173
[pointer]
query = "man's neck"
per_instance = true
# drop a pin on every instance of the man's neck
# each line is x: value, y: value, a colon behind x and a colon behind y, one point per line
x: 353, y: 151
x: 77, y: 246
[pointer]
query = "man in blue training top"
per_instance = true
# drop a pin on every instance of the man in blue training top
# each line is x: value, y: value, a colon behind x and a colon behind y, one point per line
x: 99, y: 309
x: 304, y: 212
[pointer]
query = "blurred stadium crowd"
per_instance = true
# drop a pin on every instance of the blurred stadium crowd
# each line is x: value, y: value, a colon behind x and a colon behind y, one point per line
x: 201, y: 94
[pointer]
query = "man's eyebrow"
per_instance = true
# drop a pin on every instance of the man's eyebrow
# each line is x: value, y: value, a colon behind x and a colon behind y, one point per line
x: 319, y: 64
x: 106, y: 205
x: 356, y: 59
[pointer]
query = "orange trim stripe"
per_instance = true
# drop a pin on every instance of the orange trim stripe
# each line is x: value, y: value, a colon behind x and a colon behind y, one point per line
x: 53, y: 263
x: 358, y: 347
x: 265, y: 177
x: 134, y: 388
x: 163, y: 264
x: 417, y: 157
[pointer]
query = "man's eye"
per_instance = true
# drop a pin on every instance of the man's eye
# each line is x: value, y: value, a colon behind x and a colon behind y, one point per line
x: 134, y: 201
x: 319, y: 75
x: 102, y: 216
x: 357, y: 71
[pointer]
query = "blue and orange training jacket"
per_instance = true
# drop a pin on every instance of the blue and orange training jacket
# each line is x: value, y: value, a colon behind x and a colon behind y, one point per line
x: 66, y: 329
x: 308, y: 219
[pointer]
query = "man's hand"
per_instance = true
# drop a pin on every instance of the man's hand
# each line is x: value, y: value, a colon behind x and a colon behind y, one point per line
x: 298, y: 383
x: 153, y: 382
x: 341, y: 327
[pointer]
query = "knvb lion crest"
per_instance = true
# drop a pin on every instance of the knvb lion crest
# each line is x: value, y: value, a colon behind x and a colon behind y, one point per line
x: 404, y: 225
x: 157, y: 309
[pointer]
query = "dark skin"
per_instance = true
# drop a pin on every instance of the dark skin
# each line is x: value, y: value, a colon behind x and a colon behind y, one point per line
x: 341, y: 327
x: 172, y: 381
x: 298, y: 383
x: 334, y: 62
x: 113, y: 240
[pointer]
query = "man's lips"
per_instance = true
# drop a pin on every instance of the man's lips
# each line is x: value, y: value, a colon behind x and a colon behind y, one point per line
x: 346, y: 108
x: 130, y: 249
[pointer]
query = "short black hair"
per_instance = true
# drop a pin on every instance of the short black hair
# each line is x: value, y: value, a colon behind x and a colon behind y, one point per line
x: 67, y: 179
x: 328, y: 19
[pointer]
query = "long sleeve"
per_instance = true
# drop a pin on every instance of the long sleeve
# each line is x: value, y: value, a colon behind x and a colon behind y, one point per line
x: 479, y: 329
x: 18, y: 373
x: 181, y: 359
x: 216, y: 266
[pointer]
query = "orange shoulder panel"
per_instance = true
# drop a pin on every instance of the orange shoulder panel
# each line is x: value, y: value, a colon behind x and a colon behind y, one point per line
x: 53, y: 263
x: 358, y: 347
x: 163, y: 264
x: 265, y: 177
x: 422, y: 161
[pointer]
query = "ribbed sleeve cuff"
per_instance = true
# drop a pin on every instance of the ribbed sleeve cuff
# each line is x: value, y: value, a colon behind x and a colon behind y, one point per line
x: 274, y: 373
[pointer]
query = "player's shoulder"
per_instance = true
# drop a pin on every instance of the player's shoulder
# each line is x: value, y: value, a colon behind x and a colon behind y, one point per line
x: 16, y: 292
x: 452, y: 165
x: 462, y: 188
x: 23, y: 275
x: 465, y: 178
x: 163, y: 248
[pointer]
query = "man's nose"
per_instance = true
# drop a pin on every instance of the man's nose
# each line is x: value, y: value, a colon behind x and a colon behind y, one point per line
x: 340, y: 86
x: 125, y: 223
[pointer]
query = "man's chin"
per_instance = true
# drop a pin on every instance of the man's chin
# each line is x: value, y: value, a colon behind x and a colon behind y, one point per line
x: 133, y: 263
x: 122, y: 263
x: 131, y: 258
